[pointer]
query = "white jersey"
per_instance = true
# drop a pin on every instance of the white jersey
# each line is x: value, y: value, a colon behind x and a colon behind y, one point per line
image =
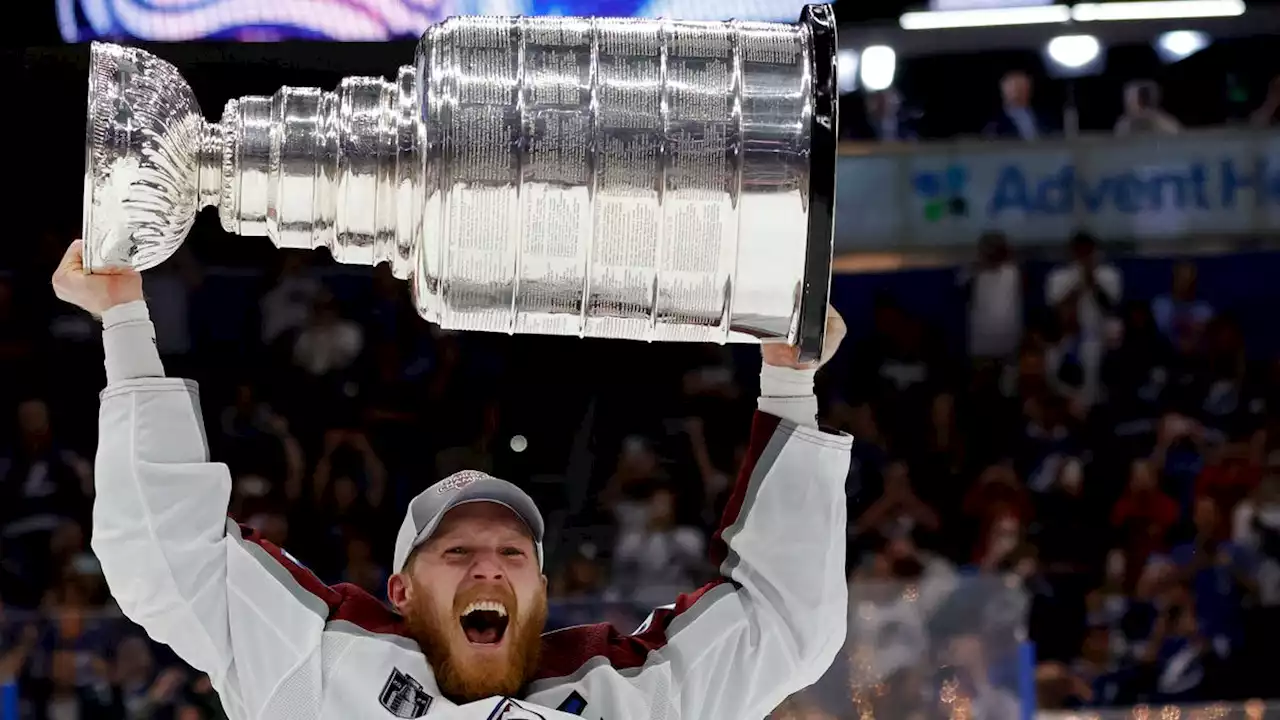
x: 279, y: 644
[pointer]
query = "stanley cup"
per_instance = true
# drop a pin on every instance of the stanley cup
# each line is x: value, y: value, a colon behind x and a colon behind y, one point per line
x: 644, y: 179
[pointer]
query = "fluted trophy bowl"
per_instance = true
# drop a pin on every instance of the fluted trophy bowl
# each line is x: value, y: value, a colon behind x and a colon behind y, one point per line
x: 640, y: 179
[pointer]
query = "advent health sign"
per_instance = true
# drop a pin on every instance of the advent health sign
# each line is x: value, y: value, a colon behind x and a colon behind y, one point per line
x: 932, y: 195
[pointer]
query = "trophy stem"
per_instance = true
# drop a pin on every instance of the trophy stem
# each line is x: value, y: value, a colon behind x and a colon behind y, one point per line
x: 310, y: 169
x: 209, y: 165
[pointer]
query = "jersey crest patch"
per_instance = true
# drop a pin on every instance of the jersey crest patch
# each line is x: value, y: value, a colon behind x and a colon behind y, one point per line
x: 403, y: 696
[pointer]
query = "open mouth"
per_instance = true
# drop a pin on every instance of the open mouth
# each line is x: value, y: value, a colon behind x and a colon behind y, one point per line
x: 484, y: 622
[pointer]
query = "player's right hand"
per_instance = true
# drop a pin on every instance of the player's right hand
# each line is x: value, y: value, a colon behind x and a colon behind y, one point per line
x: 95, y: 292
x: 788, y: 355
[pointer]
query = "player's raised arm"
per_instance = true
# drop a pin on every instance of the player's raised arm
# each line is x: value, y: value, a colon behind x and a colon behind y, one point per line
x: 775, y: 620
x: 229, y: 605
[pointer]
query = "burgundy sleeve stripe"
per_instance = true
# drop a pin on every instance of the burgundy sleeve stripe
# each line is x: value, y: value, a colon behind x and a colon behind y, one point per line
x: 568, y: 654
x: 341, y: 603
x: 763, y: 427
x: 298, y: 580
x: 362, y: 610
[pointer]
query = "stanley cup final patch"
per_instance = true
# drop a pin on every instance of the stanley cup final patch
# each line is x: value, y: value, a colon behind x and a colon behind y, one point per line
x: 403, y: 696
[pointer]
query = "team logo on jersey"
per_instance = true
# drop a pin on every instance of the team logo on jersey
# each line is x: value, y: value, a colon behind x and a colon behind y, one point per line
x: 403, y: 696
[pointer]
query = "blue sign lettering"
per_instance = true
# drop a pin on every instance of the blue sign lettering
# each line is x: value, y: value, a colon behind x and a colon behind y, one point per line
x: 1191, y: 187
x: 1260, y: 179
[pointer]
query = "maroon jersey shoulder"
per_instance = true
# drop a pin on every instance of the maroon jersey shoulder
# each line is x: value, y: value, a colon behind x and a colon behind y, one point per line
x: 564, y: 651
x: 345, y: 601
x: 359, y: 608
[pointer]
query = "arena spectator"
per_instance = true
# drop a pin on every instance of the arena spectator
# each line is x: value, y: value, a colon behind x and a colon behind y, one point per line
x: 636, y: 475
x: 884, y: 119
x: 67, y: 697
x: 1223, y: 383
x: 998, y: 495
x: 899, y: 370
x: 327, y: 344
x: 1074, y: 361
x: 660, y: 559
x: 1142, y: 112
x: 973, y: 684
x: 1137, y: 372
x: 1180, y: 314
x: 170, y: 290
x: 1220, y: 578
x: 1233, y: 472
x: 577, y: 587
x: 288, y: 305
x: 994, y: 286
x: 1017, y: 119
x: 361, y: 570
x: 256, y: 440
x: 1256, y: 528
x: 1179, y: 656
x: 43, y: 485
x: 899, y: 511
x: 1268, y: 113
x: 1090, y: 283
x: 1143, y: 517
x: 1066, y: 539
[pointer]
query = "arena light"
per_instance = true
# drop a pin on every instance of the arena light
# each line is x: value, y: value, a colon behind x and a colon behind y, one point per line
x: 1156, y: 10
x: 877, y: 67
x: 984, y: 17
x: 1074, y: 52
x: 1178, y: 45
x: 976, y: 4
x: 847, y: 70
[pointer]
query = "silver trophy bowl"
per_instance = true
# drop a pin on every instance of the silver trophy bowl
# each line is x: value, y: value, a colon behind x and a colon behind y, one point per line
x: 644, y: 179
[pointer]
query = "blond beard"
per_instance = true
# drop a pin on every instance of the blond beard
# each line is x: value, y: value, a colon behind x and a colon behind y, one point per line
x: 463, y: 677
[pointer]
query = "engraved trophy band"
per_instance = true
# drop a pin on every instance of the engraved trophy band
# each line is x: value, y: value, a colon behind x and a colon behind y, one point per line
x: 654, y: 180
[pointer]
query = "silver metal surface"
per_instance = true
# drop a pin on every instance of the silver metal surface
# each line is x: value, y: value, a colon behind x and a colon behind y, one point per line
x: 571, y: 176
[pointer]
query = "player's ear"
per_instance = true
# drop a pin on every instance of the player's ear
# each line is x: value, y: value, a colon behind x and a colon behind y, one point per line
x: 398, y: 591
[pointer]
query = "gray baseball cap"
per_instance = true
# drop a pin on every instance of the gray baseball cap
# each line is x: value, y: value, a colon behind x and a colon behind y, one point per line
x: 469, y: 486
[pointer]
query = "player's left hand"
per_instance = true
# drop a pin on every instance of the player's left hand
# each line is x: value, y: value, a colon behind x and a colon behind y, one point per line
x: 787, y: 355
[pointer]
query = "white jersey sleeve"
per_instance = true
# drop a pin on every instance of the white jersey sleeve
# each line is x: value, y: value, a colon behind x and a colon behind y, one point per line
x: 770, y: 626
x: 774, y: 623
x: 231, y: 606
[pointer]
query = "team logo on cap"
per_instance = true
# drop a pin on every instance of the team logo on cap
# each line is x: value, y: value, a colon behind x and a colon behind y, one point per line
x: 458, y: 480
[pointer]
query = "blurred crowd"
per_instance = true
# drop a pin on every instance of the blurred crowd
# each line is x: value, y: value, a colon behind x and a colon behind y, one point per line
x: 1092, y: 473
x: 1117, y: 455
x: 1021, y: 114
